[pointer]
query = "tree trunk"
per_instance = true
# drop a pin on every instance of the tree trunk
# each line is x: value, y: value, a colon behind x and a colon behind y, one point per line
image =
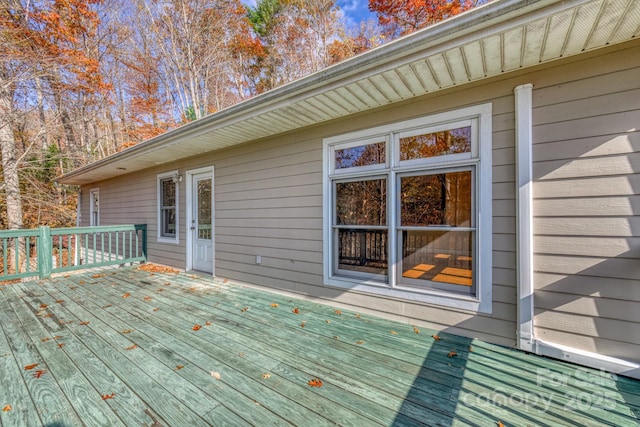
x: 10, y: 164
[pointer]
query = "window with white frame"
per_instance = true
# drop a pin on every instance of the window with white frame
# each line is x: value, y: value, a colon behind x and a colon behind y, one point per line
x: 94, y: 207
x: 168, y: 207
x: 408, y: 209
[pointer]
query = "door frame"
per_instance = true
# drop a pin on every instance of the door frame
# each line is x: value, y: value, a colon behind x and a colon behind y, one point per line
x: 190, y: 215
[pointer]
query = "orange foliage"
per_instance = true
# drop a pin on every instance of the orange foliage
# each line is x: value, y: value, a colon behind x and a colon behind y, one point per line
x: 398, y: 18
x: 315, y: 382
x: 155, y: 268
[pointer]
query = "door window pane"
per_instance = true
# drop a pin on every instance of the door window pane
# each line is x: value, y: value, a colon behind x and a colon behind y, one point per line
x: 438, y: 199
x: 204, y: 209
x: 434, y: 144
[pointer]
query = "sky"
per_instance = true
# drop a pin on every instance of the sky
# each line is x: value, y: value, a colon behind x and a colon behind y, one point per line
x: 354, y: 10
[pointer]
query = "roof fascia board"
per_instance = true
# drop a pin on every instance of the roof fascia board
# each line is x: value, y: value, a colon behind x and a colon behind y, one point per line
x: 474, y: 23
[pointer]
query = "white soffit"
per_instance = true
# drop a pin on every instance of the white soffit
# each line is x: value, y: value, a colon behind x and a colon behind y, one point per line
x: 499, y: 37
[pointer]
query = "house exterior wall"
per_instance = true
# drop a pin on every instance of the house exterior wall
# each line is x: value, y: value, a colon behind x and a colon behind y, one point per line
x: 268, y: 202
x: 586, y: 167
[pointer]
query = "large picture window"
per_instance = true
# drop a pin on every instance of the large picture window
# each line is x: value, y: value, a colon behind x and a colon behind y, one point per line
x: 168, y: 207
x: 407, y: 209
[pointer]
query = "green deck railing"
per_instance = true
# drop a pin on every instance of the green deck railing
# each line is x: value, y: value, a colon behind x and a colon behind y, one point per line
x: 43, y: 251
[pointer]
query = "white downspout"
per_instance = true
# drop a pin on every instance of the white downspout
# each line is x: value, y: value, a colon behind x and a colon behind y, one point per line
x: 524, y: 217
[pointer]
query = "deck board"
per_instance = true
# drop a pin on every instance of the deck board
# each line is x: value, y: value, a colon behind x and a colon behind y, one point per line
x: 374, y: 371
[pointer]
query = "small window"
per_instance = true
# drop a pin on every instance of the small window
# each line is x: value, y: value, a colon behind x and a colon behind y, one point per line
x: 168, y: 207
x: 94, y: 207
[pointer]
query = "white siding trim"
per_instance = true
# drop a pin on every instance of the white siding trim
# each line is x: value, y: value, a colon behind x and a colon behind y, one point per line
x: 587, y: 358
x: 161, y: 238
x: 524, y: 216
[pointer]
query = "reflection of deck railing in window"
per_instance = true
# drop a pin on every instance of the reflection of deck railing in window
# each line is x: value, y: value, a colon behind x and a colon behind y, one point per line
x: 363, y: 248
x: 441, y: 249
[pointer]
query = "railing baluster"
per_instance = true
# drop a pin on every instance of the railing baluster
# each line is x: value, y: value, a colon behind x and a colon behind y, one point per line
x: 110, y: 247
x: 101, y: 247
x: 27, y: 254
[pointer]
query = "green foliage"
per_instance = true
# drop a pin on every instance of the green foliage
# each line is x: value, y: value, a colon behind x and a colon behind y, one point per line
x: 263, y: 16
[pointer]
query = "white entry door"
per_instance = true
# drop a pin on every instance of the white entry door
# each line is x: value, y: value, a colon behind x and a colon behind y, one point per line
x: 201, y: 222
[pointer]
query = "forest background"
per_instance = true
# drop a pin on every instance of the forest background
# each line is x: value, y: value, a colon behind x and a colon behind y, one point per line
x: 83, y: 79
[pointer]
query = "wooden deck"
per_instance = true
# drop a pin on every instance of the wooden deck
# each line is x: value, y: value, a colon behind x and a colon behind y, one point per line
x: 122, y: 348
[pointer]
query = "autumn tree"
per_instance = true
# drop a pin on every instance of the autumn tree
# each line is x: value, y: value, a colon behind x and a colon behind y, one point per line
x: 401, y: 17
x: 297, y: 36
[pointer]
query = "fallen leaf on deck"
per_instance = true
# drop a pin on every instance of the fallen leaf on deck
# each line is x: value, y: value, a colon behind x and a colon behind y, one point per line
x: 470, y: 349
x: 30, y: 367
x: 45, y: 339
x: 61, y: 345
x: 155, y: 268
x: 107, y: 306
x: 357, y: 316
x: 59, y: 301
x: 393, y: 332
x: 167, y: 284
x: 360, y: 342
x: 81, y: 282
x: 108, y: 396
x: 207, y: 323
x: 338, y: 312
x: 499, y: 424
x: 196, y: 327
x: 127, y: 331
x: 225, y: 280
x: 147, y: 298
x: 452, y: 353
x: 274, y: 305
x: 43, y: 306
x: 57, y: 337
x: 436, y: 337
x: 241, y: 354
x: 126, y: 295
x: 215, y: 375
x: 315, y: 382
x: 328, y: 321
x: 303, y: 324
x: 243, y: 309
x: 74, y: 287
x: 156, y: 309
x: 266, y: 376
x: 132, y: 347
x: 335, y: 337
x: 7, y: 408
x: 97, y: 276
x: 160, y: 290
x: 84, y: 323
x: 296, y: 310
x: 416, y: 330
x: 46, y: 315
x: 62, y: 322
x: 178, y: 367
x: 38, y: 374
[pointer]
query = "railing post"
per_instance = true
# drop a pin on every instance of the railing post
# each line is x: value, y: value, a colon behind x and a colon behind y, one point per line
x: 45, y: 254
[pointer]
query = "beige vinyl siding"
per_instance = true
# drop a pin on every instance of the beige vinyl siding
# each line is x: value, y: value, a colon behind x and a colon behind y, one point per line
x: 268, y: 201
x: 587, y: 205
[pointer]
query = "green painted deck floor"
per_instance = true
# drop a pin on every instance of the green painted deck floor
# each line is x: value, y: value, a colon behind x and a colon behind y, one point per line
x: 122, y: 348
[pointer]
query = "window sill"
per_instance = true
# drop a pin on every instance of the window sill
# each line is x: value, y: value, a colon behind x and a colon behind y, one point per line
x: 168, y: 240
x: 418, y: 295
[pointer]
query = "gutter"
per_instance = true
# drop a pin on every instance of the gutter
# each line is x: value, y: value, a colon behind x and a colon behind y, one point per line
x: 476, y: 20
